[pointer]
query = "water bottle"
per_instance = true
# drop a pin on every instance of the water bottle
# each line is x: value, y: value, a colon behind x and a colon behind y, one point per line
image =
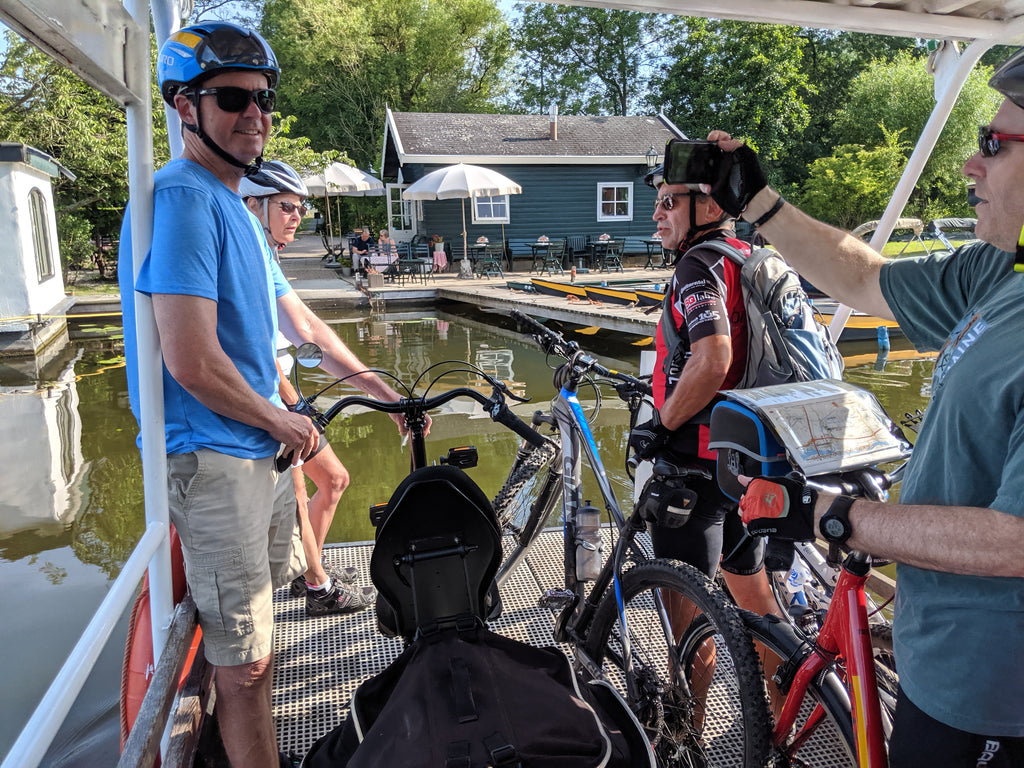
x: 799, y: 575
x: 588, y: 542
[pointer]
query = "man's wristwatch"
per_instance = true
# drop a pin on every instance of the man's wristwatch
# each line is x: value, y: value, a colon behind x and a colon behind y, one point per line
x: 835, y: 523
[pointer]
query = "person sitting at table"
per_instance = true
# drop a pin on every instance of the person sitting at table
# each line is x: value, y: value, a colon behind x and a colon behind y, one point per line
x: 361, y: 250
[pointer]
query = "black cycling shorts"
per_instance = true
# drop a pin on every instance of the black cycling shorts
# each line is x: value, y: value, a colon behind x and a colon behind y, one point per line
x: 920, y: 741
x: 714, y: 528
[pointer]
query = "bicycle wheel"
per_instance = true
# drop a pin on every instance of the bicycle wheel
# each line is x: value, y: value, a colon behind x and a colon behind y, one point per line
x: 525, y: 502
x: 832, y: 741
x: 513, y: 506
x: 706, y: 707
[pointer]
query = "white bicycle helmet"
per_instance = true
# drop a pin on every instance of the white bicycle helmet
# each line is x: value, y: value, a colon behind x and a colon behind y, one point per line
x: 273, y: 178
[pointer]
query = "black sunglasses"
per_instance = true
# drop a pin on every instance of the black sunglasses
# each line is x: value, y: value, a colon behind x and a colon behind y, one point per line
x: 988, y: 140
x: 230, y: 98
x: 290, y: 208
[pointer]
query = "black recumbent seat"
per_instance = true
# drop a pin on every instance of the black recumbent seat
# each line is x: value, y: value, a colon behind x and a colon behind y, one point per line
x: 437, y: 549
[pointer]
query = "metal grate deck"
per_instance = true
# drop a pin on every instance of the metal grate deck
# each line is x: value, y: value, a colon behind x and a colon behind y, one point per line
x: 319, y: 662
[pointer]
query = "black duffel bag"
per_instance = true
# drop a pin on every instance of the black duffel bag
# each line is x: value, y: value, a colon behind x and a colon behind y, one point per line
x: 466, y: 697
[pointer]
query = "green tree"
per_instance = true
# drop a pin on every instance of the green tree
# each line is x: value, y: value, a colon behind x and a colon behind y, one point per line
x: 833, y: 58
x: 590, y: 61
x: 745, y: 78
x: 854, y: 184
x: 45, y: 105
x: 898, y: 96
x: 344, y: 61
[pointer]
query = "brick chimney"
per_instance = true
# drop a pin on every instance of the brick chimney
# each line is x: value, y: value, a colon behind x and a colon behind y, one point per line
x: 553, y: 115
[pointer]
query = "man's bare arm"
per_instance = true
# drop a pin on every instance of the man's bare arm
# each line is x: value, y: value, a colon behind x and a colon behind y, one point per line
x: 967, y: 540
x: 699, y: 382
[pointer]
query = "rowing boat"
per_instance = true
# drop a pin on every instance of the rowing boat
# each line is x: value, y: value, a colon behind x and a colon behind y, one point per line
x: 552, y: 288
x: 609, y: 295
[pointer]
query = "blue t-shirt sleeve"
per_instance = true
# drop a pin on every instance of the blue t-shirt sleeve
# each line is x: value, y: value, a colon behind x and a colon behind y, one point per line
x: 1010, y: 496
x: 281, y: 284
x: 184, y: 258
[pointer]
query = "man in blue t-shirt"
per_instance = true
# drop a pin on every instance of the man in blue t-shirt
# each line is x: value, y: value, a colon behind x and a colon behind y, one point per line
x: 216, y: 293
x: 958, y: 531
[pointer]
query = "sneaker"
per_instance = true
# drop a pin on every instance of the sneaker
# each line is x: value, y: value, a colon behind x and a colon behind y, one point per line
x: 342, y: 574
x: 339, y: 600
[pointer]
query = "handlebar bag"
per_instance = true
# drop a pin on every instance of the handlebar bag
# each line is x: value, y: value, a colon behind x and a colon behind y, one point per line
x: 746, y: 445
x: 464, y: 696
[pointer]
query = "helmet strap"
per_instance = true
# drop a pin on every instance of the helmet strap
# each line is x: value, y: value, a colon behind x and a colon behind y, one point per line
x: 696, y: 231
x: 274, y: 245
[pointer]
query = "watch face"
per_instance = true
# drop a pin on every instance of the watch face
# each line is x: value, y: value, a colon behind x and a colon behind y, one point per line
x: 833, y: 528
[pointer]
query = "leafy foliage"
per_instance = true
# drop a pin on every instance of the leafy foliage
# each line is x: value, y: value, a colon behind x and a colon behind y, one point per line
x: 854, y: 184
x: 745, y: 78
x: 343, y: 62
x: 589, y: 61
x: 898, y: 96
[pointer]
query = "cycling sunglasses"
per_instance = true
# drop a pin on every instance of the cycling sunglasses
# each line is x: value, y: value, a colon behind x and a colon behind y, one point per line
x: 988, y: 140
x: 668, y: 201
x: 230, y: 98
x: 290, y: 208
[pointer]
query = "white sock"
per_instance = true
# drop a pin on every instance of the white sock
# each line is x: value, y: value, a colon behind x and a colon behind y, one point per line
x: 323, y: 587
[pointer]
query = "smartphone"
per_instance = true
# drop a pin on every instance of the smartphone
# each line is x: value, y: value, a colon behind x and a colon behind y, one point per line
x: 692, y: 162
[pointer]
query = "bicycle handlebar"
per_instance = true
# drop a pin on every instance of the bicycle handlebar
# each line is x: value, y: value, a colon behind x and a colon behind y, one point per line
x: 414, y: 407
x: 553, y: 343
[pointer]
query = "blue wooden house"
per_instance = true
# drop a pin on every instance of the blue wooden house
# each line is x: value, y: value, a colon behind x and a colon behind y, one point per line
x: 582, y: 176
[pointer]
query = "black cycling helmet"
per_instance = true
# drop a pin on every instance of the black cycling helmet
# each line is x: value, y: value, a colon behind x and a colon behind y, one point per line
x: 197, y: 53
x: 1009, y: 79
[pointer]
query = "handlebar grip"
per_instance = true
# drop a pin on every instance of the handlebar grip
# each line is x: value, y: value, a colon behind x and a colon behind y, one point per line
x: 503, y: 415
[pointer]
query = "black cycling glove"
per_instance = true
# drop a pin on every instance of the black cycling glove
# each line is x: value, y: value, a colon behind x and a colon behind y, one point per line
x: 780, y: 507
x: 649, y: 438
x: 739, y: 179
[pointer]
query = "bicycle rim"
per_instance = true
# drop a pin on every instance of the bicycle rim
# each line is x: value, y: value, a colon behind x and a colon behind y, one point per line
x: 729, y: 726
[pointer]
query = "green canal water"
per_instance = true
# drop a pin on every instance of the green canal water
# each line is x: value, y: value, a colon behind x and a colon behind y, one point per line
x: 71, y: 497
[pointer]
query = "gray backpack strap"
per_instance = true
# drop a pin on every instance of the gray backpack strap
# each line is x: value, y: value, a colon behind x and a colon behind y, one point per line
x: 669, y: 332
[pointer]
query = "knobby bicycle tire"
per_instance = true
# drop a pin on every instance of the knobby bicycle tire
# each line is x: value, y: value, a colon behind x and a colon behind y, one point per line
x: 735, y: 714
x: 513, y: 506
x: 833, y: 742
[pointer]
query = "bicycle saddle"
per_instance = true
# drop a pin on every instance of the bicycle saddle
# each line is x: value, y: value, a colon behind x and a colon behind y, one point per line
x: 437, y: 550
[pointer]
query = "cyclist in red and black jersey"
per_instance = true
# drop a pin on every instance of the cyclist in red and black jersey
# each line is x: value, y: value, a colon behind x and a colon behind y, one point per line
x: 711, y: 323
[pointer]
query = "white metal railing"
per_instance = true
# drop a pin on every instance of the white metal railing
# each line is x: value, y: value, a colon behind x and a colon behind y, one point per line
x: 42, y: 727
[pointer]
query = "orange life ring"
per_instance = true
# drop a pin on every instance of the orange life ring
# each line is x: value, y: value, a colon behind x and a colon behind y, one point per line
x: 137, y: 667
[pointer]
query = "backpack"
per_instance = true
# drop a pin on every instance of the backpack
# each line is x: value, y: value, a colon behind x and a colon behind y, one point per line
x: 465, y: 697
x: 785, y: 341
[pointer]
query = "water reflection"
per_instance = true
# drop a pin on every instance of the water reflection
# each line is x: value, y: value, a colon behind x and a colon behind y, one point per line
x: 71, y: 497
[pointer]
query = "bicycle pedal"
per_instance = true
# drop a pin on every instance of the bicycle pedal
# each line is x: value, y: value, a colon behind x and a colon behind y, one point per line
x: 556, y: 598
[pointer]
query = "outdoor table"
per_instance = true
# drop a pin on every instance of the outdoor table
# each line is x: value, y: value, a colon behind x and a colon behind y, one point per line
x: 654, y: 246
x: 414, y: 268
x: 440, y: 260
x: 539, y: 248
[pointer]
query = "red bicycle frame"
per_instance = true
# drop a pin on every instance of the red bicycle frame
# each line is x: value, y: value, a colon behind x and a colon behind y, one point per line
x: 844, y: 637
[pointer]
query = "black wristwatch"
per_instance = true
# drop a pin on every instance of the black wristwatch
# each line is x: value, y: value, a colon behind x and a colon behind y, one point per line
x: 835, y: 523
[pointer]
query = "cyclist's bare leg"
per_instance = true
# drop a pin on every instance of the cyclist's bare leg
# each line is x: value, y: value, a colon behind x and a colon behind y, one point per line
x: 331, y: 479
x: 681, y: 612
x: 754, y: 593
x: 315, y: 573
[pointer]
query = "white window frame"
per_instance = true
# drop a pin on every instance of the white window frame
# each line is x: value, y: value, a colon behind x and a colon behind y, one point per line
x: 478, y: 219
x: 601, y: 187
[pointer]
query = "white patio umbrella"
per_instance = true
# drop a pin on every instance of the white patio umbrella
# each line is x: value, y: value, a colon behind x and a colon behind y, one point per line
x: 461, y: 181
x: 340, y: 179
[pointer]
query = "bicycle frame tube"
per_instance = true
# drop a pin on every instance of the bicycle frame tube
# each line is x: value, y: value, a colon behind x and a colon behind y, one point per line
x: 844, y: 634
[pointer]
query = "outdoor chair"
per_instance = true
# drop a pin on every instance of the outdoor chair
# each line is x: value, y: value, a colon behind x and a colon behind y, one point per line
x: 551, y: 258
x: 489, y: 261
x: 608, y: 255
